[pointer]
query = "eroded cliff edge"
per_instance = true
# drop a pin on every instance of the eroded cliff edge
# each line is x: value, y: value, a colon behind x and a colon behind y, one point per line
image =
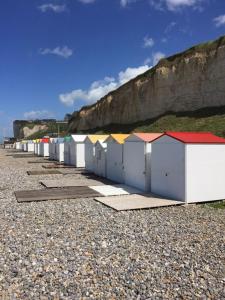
x: 187, y: 81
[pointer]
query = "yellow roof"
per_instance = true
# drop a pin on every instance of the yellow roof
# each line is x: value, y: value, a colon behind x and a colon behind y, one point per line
x: 119, y: 138
x: 96, y: 137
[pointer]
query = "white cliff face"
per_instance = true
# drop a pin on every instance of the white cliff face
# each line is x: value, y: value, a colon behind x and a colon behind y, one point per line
x: 22, y: 131
x: 26, y: 131
x: 186, y: 82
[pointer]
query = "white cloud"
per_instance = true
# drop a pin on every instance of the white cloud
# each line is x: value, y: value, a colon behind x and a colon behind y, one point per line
x: 125, y: 3
x: 64, y: 52
x: 87, y: 1
x: 155, y: 58
x: 219, y: 21
x: 174, y: 5
x: 98, y: 89
x: 38, y: 114
x: 170, y: 27
x: 52, y: 7
x: 148, y: 42
x: 148, y: 61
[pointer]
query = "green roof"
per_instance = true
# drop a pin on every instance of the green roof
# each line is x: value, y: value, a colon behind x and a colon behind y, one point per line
x: 67, y: 139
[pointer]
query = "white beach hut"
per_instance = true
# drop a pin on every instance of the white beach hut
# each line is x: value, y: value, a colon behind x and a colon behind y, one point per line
x: 90, y: 150
x: 115, y: 156
x: 44, y: 147
x: 74, y: 153
x: 188, y: 166
x: 67, y: 141
x: 100, y: 149
x: 25, y: 146
x: 60, y: 149
x: 36, y: 146
x: 52, y: 148
x: 77, y: 153
x: 137, y: 160
x: 30, y: 146
x: 18, y: 146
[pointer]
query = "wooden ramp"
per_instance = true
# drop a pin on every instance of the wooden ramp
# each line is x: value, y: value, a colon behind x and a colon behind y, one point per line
x: 131, y: 202
x: 24, y: 155
x: 56, y: 194
x: 40, y: 161
x: 44, y: 172
x: 15, y: 151
x: 56, y: 166
x: 77, y: 171
x: 67, y: 182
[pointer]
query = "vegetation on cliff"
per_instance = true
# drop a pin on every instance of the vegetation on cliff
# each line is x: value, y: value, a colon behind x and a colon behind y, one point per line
x: 53, y: 130
x: 207, y: 119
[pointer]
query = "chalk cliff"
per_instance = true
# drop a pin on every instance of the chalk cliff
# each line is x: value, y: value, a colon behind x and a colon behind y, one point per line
x: 187, y: 81
x: 23, y: 129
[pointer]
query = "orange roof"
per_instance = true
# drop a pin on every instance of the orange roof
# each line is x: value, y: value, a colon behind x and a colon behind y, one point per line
x: 119, y: 138
x: 95, y: 137
x: 148, y: 137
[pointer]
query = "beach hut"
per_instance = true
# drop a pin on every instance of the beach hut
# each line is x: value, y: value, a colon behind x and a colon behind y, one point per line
x: 137, y: 160
x: 60, y: 149
x: 100, y: 149
x: 67, y: 141
x: 18, y: 146
x: 25, y: 146
x: 44, y: 147
x: 30, y: 146
x: 188, y: 166
x: 115, y: 156
x: 52, y: 148
x: 90, y: 150
x: 74, y: 150
x: 36, y: 143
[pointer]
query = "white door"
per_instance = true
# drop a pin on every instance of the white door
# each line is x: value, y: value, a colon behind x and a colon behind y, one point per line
x: 134, y: 165
x: 114, y: 158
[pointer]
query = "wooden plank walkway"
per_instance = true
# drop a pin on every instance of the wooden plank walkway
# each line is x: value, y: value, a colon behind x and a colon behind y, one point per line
x: 56, y: 194
x: 23, y: 155
x: 44, y: 172
x: 77, y: 172
x: 40, y: 161
x: 56, y: 166
x: 68, y: 182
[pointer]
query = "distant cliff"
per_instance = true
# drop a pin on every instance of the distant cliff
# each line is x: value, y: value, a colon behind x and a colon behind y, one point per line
x: 187, y: 81
x: 23, y: 129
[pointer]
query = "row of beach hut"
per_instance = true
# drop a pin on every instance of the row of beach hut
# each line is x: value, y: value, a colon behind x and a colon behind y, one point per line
x: 183, y: 166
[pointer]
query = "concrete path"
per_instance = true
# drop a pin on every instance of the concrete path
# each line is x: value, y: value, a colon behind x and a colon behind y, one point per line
x: 115, y: 190
x: 131, y: 202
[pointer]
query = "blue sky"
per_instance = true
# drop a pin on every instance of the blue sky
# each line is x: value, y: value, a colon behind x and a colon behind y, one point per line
x: 58, y: 55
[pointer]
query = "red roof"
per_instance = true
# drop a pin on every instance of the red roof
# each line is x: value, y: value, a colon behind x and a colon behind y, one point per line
x: 148, y: 137
x: 196, y: 137
x: 45, y: 140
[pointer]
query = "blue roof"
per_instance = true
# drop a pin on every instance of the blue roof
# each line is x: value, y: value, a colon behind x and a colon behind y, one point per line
x: 60, y: 140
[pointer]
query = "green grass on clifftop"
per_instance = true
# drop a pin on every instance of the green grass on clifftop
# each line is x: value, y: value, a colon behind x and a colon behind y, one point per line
x: 206, y: 119
x: 51, y: 131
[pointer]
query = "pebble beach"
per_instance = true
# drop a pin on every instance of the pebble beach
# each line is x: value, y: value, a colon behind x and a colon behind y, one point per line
x: 81, y: 249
